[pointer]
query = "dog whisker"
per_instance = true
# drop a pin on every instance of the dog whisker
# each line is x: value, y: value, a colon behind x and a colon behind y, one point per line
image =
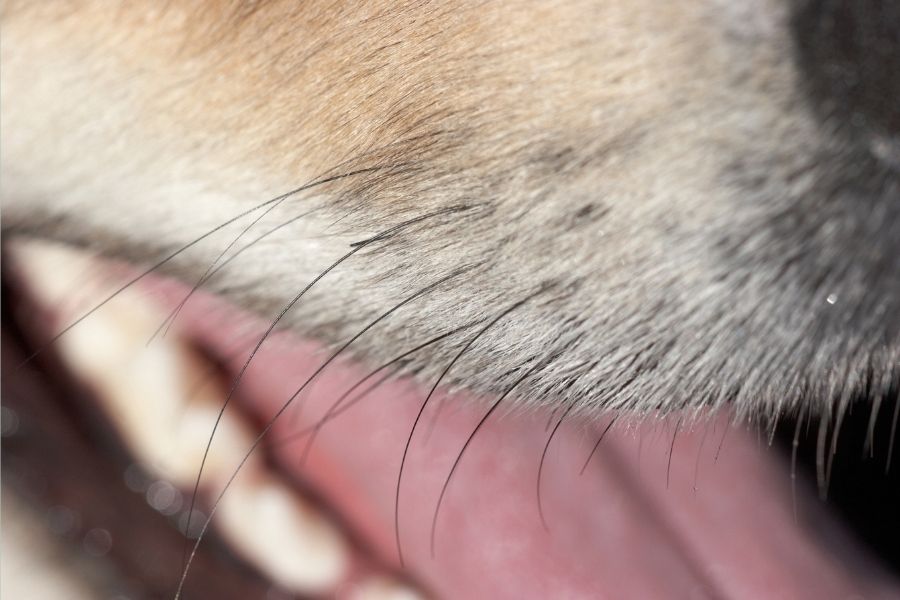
x: 434, y: 387
x: 268, y: 426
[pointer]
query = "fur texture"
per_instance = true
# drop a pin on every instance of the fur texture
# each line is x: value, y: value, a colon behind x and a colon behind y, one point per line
x: 664, y: 182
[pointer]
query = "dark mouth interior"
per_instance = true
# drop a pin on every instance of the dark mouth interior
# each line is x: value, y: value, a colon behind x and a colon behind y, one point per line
x: 864, y: 486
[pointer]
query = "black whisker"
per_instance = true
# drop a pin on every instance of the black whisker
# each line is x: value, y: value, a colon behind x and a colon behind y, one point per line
x: 597, y: 444
x: 540, y: 473
x: 288, y: 402
x: 179, y: 251
x: 699, y: 455
x: 432, y: 424
x: 243, y: 370
x: 215, y: 267
x: 339, y: 407
x: 174, y: 313
x: 538, y: 366
x: 721, y: 442
x: 440, y: 378
x: 671, y: 451
x: 389, y: 232
x: 551, y: 419
x: 313, y: 428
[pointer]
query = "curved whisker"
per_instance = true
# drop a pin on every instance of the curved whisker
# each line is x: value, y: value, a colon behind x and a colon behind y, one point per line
x: 540, y: 473
x: 215, y: 267
x: 289, y: 401
x: 671, y: 451
x: 168, y: 258
x: 339, y: 406
x: 534, y: 369
x: 597, y: 444
x: 440, y: 378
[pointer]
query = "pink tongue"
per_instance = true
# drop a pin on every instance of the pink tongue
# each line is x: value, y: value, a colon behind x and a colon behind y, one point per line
x: 636, y: 524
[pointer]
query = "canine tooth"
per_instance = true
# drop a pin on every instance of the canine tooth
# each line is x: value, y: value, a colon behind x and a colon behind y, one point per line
x: 287, y: 539
x: 149, y: 391
x: 146, y: 393
x: 192, y: 430
x: 382, y: 588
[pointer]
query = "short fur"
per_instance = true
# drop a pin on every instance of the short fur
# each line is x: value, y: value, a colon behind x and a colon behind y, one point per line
x: 700, y: 226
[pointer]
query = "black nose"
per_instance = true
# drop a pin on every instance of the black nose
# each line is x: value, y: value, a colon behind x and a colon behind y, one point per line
x: 849, y: 54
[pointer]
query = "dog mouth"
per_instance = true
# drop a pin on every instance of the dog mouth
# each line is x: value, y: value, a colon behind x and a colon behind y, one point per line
x: 314, y: 486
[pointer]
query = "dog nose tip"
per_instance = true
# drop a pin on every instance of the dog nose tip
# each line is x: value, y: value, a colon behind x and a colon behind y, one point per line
x: 849, y: 55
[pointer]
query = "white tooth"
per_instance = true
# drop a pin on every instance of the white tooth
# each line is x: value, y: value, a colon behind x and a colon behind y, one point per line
x: 148, y: 391
x: 192, y: 428
x: 56, y: 275
x: 149, y: 395
x: 292, y: 542
x: 382, y: 588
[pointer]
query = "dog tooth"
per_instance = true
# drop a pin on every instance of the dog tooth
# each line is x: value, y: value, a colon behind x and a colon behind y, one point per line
x: 383, y: 588
x: 145, y: 392
x: 289, y: 540
x: 149, y: 392
x: 234, y: 437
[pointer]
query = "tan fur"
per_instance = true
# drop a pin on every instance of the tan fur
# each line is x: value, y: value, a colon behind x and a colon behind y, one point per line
x: 338, y: 81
